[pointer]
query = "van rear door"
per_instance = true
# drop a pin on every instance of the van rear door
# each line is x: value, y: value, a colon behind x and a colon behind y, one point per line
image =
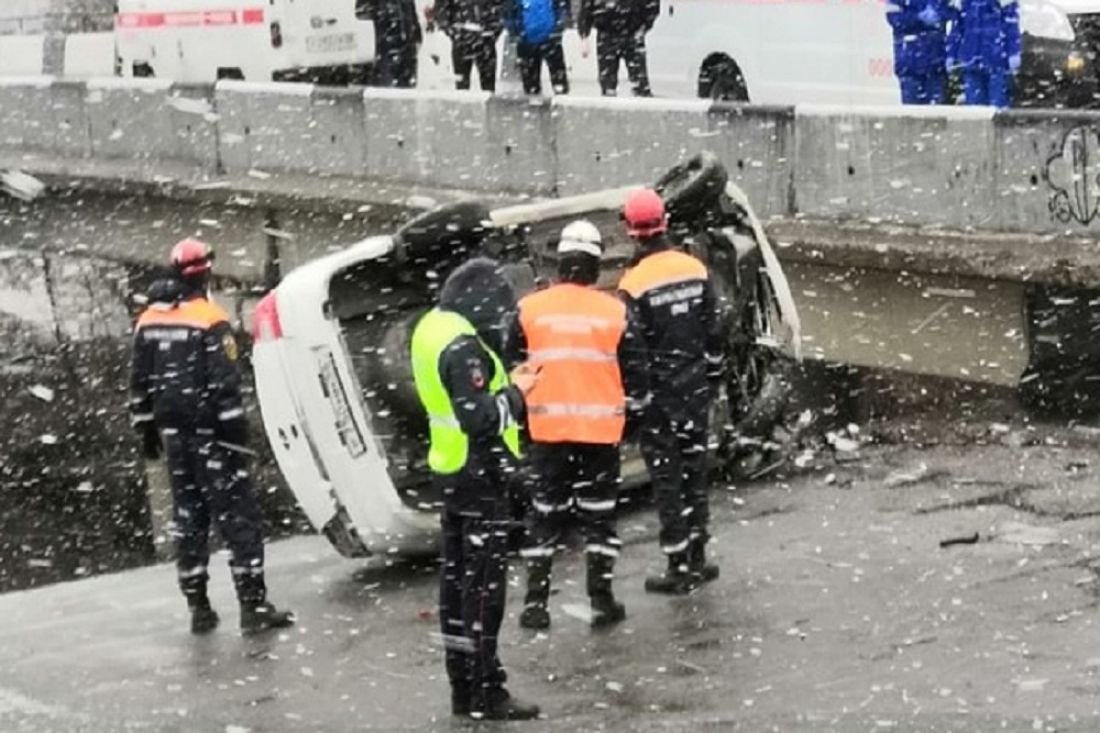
x: 320, y: 33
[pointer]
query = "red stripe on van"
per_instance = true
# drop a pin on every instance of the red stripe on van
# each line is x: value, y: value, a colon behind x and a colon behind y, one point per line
x: 196, y: 19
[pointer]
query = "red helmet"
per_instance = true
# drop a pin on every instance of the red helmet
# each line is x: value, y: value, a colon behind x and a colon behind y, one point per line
x: 192, y: 257
x: 644, y: 214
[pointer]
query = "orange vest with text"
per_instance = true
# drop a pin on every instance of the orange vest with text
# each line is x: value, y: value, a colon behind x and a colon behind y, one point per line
x: 573, y: 334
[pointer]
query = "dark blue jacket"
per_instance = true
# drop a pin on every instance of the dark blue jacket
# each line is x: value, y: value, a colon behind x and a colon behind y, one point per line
x: 986, y: 35
x: 920, y: 47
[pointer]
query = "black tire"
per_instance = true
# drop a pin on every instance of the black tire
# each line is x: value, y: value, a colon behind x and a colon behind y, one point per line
x: 691, y: 189
x: 722, y: 81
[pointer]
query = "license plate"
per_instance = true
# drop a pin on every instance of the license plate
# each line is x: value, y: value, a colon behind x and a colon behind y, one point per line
x: 333, y: 388
x: 331, y: 43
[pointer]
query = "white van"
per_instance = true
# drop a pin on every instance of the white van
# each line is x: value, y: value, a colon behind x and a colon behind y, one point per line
x: 254, y: 40
x: 837, y: 52
x: 334, y: 380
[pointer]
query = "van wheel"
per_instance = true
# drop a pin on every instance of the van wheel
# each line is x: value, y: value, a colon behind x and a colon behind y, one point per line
x: 232, y: 73
x: 721, y: 79
x: 143, y: 70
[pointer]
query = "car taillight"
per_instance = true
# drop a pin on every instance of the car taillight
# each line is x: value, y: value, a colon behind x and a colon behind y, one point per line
x: 265, y: 320
x: 276, y: 35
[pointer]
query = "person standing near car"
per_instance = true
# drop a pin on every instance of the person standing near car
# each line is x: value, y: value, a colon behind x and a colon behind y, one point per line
x: 186, y: 399
x: 920, y: 48
x: 537, y: 26
x: 621, y: 27
x: 593, y: 369
x: 473, y: 411
x: 985, y: 44
x: 473, y: 27
x: 397, y: 39
x: 681, y: 324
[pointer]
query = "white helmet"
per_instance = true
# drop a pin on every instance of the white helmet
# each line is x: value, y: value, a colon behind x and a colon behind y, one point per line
x: 581, y: 236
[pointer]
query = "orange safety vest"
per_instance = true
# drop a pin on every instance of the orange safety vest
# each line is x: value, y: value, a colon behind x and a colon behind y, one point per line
x: 573, y: 333
x: 662, y: 269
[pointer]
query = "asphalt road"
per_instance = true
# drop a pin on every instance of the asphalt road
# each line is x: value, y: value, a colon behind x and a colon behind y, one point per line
x: 837, y: 610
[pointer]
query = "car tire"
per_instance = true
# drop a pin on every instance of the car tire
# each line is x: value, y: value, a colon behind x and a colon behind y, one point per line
x: 721, y: 80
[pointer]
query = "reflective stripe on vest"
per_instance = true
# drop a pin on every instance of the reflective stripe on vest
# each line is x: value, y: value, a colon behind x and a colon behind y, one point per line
x: 573, y: 333
x: 449, y: 448
x: 661, y: 269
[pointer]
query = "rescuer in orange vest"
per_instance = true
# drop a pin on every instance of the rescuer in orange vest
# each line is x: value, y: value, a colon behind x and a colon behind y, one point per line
x: 186, y: 400
x: 592, y: 376
x: 679, y: 314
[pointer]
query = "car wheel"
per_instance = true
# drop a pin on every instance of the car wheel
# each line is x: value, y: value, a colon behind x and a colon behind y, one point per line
x: 721, y: 80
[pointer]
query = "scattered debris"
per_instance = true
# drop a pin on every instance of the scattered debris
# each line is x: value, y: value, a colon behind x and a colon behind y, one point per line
x: 904, y: 478
x: 42, y: 392
x: 1026, y: 534
x: 970, y: 539
x: 21, y: 185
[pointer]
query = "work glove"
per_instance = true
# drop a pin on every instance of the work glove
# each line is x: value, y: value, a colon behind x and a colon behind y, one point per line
x: 929, y: 17
x: 1014, y: 62
x: 150, y: 441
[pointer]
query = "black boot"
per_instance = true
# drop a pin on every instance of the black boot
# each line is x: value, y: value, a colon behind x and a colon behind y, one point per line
x: 701, y: 570
x: 606, y: 611
x: 676, y: 580
x: 204, y: 619
x: 500, y: 705
x: 535, y: 614
x: 257, y: 618
x: 460, y: 700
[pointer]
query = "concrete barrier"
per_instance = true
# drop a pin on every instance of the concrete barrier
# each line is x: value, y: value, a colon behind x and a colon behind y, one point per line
x: 896, y: 164
x: 130, y: 120
x: 435, y: 140
x: 614, y: 142
x: 194, y: 123
x: 520, y: 150
x: 264, y: 126
x: 1048, y: 167
x: 338, y: 138
x: 1027, y: 171
x: 26, y: 120
x: 71, y: 136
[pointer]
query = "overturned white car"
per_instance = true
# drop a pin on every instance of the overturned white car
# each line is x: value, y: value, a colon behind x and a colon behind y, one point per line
x: 331, y: 345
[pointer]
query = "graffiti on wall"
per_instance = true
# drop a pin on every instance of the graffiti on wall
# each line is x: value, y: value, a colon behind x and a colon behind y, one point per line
x: 1073, y: 173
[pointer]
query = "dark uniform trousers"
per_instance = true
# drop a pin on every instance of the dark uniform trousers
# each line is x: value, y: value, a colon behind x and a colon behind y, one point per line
x: 615, y: 45
x: 573, y: 484
x: 469, y: 49
x: 471, y: 599
x: 531, y: 56
x: 675, y: 451
x: 395, y: 64
x: 211, y: 483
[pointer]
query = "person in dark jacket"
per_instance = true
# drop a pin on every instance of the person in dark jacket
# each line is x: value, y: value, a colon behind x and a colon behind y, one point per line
x: 681, y: 322
x: 474, y: 410
x: 593, y: 380
x: 397, y: 39
x: 621, y: 27
x: 537, y: 26
x: 985, y: 44
x: 473, y: 27
x: 920, y: 48
x: 186, y: 396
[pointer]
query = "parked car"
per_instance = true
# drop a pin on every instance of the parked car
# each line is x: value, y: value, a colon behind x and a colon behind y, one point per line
x: 331, y: 345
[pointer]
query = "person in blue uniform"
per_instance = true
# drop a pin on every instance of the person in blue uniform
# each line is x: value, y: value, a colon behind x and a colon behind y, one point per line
x: 984, y: 43
x: 920, y: 48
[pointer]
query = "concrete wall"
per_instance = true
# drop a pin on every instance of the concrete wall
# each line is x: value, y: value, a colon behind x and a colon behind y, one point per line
x: 961, y: 168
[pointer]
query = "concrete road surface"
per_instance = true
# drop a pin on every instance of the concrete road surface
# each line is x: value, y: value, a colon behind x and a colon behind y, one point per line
x: 837, y: 610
